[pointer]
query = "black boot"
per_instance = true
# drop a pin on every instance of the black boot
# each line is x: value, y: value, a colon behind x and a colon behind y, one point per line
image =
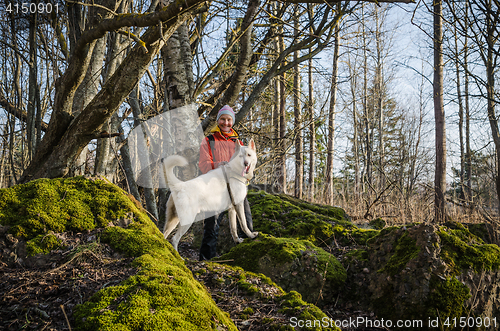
x: 208, y: 247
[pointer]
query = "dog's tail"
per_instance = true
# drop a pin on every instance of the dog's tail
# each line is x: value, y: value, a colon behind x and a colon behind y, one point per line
x: 168, y: 166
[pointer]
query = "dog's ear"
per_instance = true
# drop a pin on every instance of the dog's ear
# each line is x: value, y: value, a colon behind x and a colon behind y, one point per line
x: 251, y: 144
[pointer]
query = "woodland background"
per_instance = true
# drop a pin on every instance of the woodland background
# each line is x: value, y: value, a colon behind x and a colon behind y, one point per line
x: 387, y: 110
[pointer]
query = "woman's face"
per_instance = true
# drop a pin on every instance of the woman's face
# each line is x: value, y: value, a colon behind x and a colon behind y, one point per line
x: 225, y: 123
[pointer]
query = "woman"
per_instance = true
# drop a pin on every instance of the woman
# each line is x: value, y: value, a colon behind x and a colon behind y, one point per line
x: 216, y: 150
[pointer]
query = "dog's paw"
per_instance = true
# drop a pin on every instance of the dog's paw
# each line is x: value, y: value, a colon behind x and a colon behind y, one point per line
x: 239, y: 240
x: 254, y: 235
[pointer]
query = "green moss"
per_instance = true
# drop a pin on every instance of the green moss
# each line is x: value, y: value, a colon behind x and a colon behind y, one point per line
x: 290, y: 304
x: 160, y: 297
x: 293, y: 305
x: 281, y: 251
x: 285, y: 216
x: 42, y: 244
x: 357, y: 255
x: 479, y: 230
x: 447, y: 299
x: 163, y: 295
x: 404, y: 251
x: 463, y: 250
x: 248, y: 310
x: 377, y: 223
x: 346, y: 236
x: 334, y: 212
x: 63, y: 204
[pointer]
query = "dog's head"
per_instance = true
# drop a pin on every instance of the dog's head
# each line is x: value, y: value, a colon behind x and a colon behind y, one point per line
x: 247, y: 158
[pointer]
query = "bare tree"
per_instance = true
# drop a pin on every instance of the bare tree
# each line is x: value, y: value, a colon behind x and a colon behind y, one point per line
x: 331, y: 118
x: 299, y: 145
x: 439, y: 117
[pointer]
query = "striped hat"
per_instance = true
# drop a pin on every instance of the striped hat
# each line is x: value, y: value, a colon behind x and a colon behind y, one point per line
x: 226, y: 110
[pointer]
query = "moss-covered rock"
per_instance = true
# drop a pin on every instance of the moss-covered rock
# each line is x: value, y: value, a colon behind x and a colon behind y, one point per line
x: 377, y: 223
x: 258, y: 292
x: 285, y: 216
x: 461, y: 250
x: 64, y: 204
x: 424, y: 271
x: 163, y: 295
x: 296, y: 265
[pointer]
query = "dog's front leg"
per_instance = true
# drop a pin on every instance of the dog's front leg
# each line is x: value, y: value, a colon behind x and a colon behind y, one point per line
x: 233, y: 226
x: 240, y: 210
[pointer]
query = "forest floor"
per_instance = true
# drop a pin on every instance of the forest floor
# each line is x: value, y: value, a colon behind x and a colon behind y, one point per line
x: 41, y: 293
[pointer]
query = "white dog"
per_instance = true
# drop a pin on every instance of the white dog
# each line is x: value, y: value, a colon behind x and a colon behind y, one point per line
x: 210, y: 193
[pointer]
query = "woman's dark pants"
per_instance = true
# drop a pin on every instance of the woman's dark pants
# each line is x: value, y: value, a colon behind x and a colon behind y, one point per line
x: 208, y: 247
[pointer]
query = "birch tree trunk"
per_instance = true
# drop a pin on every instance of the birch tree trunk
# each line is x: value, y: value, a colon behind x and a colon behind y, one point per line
x: 299, y: 145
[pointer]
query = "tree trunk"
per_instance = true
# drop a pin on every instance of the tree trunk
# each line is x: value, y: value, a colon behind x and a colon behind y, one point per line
x: 366, y: 112
x: 468, y: 160
x: 33, y: 81
x: 460, y: 112
x: 312, y: 132
x: 490, y: 90
x: 281, y: 175
x: 69, y: 134
x: 299, y: 148
x: 439, y: 117
x: 379, y: 93
x: 331, y: 120
x: 149, y: 193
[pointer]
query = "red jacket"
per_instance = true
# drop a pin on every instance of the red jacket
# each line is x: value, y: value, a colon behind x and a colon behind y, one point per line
x: 222, y: 151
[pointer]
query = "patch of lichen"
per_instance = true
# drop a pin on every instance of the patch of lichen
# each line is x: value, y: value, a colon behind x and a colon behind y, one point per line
x: 63, y: 204
x: 281, y: 251
x: 462, y: 250
x: 285, y: 216
x: 161, y: 296
x: 405, y: 249
x: 447, y: 299
x: 42, y: 244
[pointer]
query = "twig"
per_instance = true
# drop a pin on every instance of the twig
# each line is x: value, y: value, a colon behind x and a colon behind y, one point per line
x: 66, y: 316
x: 135, y: 38
x: 92, y: 5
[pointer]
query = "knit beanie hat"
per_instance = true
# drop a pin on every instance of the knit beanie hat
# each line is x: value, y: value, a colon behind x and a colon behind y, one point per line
x: 226, y: 110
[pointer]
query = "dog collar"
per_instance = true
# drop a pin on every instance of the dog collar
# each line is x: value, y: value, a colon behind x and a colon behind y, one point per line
x: 238, y: 177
